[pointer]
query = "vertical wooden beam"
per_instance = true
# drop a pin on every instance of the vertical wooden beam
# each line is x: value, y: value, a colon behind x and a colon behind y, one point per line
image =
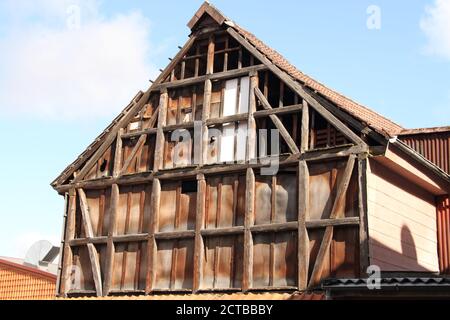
x: 151, y: 245
x: 211, y: 50
x: 205, y: 117
x: 86, y: 217
x: 305, y: 128
x: 251, y: 135
x: 363, y: 218
x: 247, y: 279
x: 199, y: 245
x: 159, y: 148
x: 281, y: 98
x: 67, y: 261
x: 61, y: 249
x: 110, y: 248
x: 303, y: 216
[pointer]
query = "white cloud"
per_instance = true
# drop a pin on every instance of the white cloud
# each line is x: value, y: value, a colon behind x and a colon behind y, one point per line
x: 436, y: 26
x: 49, y: 69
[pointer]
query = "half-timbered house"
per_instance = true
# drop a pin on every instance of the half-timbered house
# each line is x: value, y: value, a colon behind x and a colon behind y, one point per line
x: 237, y: 173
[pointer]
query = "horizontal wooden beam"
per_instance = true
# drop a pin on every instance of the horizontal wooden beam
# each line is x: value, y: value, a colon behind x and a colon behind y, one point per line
x: 213, y: 77
x: 222, y: 232
x: 277, y: 227
x: 318, y: 224
x: 139, y: 133
x: 192, y: 172
x: 228, y: 119
x: 278, y: 111
x: 175, y: 235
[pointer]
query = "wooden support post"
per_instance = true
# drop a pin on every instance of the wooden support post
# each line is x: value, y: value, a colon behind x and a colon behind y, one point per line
x: 205, y: 117
x: 335, y: 214
x: 110, y: 249
x: 151, y: 245
x: 160, y: 139
x: 305, y: 128
x: 211, y: 50
x: 251, y: 136
x: 199, y: 245
x: 66, y: 270
x: 62, y: 246
x: 247, y: 278
x: 303, y: 217
x: 277, y: 122
x: 363, y: 226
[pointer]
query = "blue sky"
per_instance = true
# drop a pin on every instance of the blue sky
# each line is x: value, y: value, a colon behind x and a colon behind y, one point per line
x: 63, y: 79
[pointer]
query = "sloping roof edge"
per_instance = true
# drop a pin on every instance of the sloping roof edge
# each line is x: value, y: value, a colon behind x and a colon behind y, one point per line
x: 411, y: 132
x: 28, y: 270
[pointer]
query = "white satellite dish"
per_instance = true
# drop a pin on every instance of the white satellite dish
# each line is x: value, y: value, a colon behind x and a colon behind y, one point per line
x: 37, y: 252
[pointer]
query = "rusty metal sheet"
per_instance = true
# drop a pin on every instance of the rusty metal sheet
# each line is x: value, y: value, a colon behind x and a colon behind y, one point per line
x: 435, y: 146
x: 443, y: 228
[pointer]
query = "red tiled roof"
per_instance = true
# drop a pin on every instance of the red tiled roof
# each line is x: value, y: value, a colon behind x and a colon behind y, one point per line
x: 18, y: 282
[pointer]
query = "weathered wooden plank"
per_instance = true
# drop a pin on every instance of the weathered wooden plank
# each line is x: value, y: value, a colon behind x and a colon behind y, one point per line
x: 305, y: 128
x: 247, y: 277
x: 110, y: 249
x: 96, y: 272
x: 86, y: 217
x: 278, y: 123
x: 303, y: 238
x: 328, y: 235
x: 223, y: 232
x: 344, y: 222
x: 274, y: 227
x: 62, y: 246
x: 251, y: 126
x: 133, y: 154
x: 69, y: 235
x: 159, y: 147
x: 219, y: 76
x: 151, y: 246
x: 279, y: 111
x: 199, y: 245
x: 118, y: 154
x: 363, y: 227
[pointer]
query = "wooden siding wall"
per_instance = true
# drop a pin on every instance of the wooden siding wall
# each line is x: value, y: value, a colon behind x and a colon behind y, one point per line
x: 402, y: 223
x: 150, y: 224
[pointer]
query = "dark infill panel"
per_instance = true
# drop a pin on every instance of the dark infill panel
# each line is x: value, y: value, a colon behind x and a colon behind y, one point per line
x: 177, y: 207
x: 99, y: 210
x: 223, y: 262
x: 81, y: 276
x: 342, y: 259
x: 225, y: 202
x: 323, y: 182
x: 130, y: 267
x: 174, y: 265
x: 275, y: 260
x: 134, y: 210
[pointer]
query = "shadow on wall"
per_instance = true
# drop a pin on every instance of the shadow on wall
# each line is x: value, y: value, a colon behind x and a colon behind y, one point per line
x: 390, y: 260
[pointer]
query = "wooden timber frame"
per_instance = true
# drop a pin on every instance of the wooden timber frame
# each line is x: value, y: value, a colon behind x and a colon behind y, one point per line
x: 301, y: 156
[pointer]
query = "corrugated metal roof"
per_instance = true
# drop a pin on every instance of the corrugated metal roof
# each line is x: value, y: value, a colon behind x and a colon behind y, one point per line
x: 391, y: 281
x: 18, y: 282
